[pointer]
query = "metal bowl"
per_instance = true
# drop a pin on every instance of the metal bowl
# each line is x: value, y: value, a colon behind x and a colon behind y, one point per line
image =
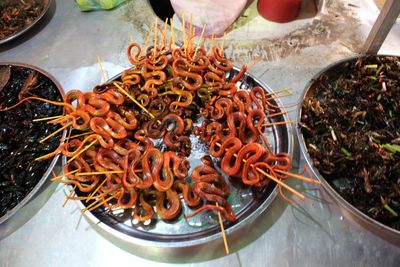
x: 348, y: 209
x: 53, y: 162
x: 185, y: 238
x: 47, y: 4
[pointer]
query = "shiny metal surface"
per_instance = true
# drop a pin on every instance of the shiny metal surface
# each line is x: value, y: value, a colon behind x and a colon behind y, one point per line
x: 247, y: 202
x: 388, y: 233
x: 26, y: 29
x: 314, y: 233
x: 53, y: 162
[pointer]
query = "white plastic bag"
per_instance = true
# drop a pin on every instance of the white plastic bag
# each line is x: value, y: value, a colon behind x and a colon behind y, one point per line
x: 218, y: 15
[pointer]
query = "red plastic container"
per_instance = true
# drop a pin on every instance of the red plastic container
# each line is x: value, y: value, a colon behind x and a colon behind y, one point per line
x: 279, y: 10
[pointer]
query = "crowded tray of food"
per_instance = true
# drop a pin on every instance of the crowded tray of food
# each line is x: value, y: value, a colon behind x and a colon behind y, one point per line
x: 349, y: 128
x: 22, y: 133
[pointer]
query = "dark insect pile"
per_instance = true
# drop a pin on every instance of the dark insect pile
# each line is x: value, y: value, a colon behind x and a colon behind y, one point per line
x: 19, y: 136
x: 16, y: 15
x: 351, y: 126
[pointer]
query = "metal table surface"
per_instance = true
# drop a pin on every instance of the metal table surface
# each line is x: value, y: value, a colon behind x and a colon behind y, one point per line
x: 314, y: 233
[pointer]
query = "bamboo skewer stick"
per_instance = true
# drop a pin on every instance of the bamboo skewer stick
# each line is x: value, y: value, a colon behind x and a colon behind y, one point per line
x: 191, y: 34
x: 98, y: 173
x: 95, y: 191
x: 69, y: 196
x: 223, y: 231
x: 101, y: 69
x: 288, y: 90
x: 306, y: 179
x: 184, y: 34
x: 64, y: 174
x: 164, y: 33
x: 222, y: 42
x: 81, y: 151
x: 276, y: 114
x: 77, y: 135
x: 255, y: 62
x: 277, y: 123
x: 155, y: 39
x: 198, y: 41
x: 145, y: 44
x: 278, y: 96
x: 48, y: 118
x: 93, y: 206
x: 134, y: 100
x: 55, y: 132
x: 172, y: 33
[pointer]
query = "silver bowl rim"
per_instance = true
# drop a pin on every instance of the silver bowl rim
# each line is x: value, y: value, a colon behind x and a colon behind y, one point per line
x: 203, y: 240
x: 46, y: 174
x: 27, y: 28
x: 331, y: 191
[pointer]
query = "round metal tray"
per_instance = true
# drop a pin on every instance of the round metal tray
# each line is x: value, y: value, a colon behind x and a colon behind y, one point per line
x: 204, y: 228
x: 47, y: 172
x: 348, y: 209
x: 27, y: 28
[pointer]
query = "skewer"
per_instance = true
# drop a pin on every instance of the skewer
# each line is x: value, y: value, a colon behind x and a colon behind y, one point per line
x: 276, y: 114
x: 164, y: 33
x: 306, y: 179
x: 48, y: 118
x: 131, y: 38
x: 69, y: 136
x: 101, y: 69
x: 145, y: 44
x: 255, y: 62
x: 266, y: 124
x: 98, y: 173
x: 191, y: 34
x: 155, y: 39
x: 55, y: 132
x: 299, y: 195
x: 95, y: 191
x: 278, y: 96
x: 288, y: 90
x: 222, y: 42
x: 81, y: 151
x: 172, y: 33
x: 51, y: 154
x: 92, y: 207
x: 198, y: 41
x: 69, y: 196
x: 64, y: 174
x: 134, y: 100
x: 77, y: 135
x: 59, y: 120
x: 212, y: 44
x: 223, y: 231
x: 184, y: 34
x: 277, y: 123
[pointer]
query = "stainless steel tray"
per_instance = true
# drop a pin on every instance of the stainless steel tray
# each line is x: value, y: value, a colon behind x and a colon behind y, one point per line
x: 27, y: 28
x: 47, y: 172
x: 204, y: 228
x: 353, y: 213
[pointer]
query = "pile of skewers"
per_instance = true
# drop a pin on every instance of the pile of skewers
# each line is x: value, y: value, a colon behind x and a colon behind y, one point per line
x: 115, y: 159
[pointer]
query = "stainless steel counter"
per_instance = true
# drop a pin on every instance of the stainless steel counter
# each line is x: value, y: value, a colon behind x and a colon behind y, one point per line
x: 314, y: 233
